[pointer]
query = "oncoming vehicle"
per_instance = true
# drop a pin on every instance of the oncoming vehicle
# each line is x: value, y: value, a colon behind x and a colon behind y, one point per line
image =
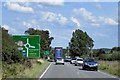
x: 60, y: 61
x: 72, y: 61
x: 90, y: 63
x: 79, y: 61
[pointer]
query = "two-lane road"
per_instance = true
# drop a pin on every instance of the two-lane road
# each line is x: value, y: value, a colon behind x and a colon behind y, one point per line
x: 70, y: 71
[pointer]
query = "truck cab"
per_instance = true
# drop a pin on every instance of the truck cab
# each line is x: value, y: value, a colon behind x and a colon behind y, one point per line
x: 58, y: 56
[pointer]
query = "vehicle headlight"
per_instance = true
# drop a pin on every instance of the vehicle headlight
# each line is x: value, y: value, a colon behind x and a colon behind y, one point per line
x: 96, y: 64
x: 86, y: 63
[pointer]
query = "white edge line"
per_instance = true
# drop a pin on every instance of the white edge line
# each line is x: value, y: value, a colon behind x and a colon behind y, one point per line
x: 45, y: 71
x: 113, y: 76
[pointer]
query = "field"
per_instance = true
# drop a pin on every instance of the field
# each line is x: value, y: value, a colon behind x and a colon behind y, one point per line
x: 111, y: 67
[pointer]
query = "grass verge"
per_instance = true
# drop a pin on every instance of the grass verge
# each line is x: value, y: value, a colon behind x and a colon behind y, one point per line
x: 111, y: 67
x: 36, y: 70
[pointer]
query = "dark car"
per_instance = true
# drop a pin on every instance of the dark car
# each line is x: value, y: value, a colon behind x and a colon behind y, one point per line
x: 90, y: 63
x: 67, y: 59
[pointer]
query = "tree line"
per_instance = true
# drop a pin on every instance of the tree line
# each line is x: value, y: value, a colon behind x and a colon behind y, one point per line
x: 81, y: 45
x: 107, y: 54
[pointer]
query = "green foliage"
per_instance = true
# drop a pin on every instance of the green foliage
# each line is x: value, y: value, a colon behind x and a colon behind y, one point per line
x: 65, y: 52
x: 107, y: 54
x: 10, y: 53
x: 12, y: 58
x: 84, y: 56
x: 51, y: 55
x: 45, y: 39
x: 80, y: 43
x: 115, y: 49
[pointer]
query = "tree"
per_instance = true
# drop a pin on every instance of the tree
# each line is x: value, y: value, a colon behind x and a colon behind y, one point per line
x: 45, y: 38
x: 80, y: 43
x: 10, y: 53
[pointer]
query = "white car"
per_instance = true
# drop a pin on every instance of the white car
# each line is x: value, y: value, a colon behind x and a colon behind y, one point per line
x: 72, y: 60
x: 79, y: 61
x: 59, y: 61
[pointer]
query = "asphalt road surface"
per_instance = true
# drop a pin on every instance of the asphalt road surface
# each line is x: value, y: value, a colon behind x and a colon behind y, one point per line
x: 70, y: 71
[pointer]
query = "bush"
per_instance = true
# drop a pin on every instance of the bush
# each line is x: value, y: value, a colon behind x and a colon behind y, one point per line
x: 112, y: 56
x: 115, y: 55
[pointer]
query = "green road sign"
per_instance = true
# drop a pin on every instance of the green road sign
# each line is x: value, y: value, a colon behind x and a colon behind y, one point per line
x: 28, y: 44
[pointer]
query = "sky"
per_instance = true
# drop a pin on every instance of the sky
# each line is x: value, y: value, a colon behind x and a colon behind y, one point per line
x: 98, y: 19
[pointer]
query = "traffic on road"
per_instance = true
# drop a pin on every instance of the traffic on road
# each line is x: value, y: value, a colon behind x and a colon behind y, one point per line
x: 74, y: 67
x: 71, y: 71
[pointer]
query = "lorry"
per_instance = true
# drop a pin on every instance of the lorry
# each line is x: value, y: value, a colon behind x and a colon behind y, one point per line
x: 58, y: 55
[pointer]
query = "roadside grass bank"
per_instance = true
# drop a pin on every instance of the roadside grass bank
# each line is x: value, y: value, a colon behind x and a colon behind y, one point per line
x: 32, y: 69
x: 36, y: 70
x: 111, y: 67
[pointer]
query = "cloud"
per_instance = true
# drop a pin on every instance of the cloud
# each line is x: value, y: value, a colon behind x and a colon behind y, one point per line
x: 52, y: 17
x: 34, y: 21
x: 11, y: 30
x: 17, y: 7
x: 53, y: 2
x: 94, y: 20
x: 46, y: 2
x: 6, y: 27
x: 30, y: 23
x: 108, y: 21
x: 75, y: 21
x: 27, y: 25
x: 62, y: 19
x: 86, y: 14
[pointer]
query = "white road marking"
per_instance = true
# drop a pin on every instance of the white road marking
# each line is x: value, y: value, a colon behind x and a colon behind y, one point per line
x: 45, y: 71
x: 107, y: 74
